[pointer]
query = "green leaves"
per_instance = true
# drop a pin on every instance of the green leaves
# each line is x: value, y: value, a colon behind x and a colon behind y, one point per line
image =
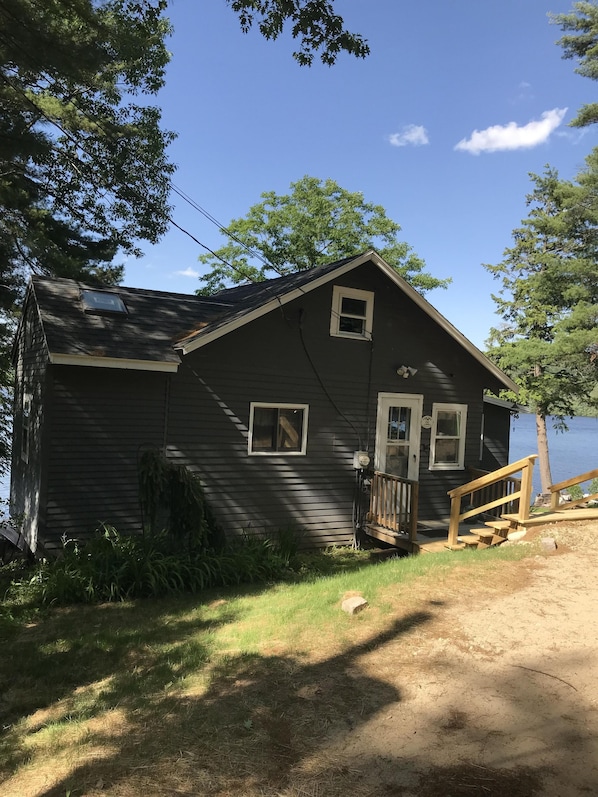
x: 313, y: 22
x: 78, y: 156
x: 549, y: 296
x: 84, y: 174
x: 580, y: 43
x: 318, y: 222
x: 112, y: 567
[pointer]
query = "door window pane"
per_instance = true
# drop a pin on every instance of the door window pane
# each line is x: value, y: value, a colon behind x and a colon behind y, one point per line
x: 397, y: 460
x: 399, y: 423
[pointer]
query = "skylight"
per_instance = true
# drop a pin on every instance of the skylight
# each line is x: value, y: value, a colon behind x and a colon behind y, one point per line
x: 103, y: 301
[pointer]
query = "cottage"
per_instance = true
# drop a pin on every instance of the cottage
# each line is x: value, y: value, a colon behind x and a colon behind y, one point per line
x: 276, y: 394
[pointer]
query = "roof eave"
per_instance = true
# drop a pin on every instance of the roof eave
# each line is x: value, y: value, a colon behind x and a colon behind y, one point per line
x: 123, y: 363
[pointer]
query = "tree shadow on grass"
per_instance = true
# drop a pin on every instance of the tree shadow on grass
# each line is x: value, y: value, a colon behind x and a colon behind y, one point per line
x: 258, y: 717
x: 148, y: 644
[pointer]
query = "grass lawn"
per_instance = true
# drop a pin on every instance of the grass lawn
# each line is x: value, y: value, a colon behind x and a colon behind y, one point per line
x: 230, y: 692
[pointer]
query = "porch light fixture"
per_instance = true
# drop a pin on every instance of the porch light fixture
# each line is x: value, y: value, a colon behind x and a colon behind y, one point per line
x: 406, y: 371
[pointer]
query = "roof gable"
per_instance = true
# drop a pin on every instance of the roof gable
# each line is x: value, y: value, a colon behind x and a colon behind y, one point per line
x: 279, y: 292
x: 160, y: 328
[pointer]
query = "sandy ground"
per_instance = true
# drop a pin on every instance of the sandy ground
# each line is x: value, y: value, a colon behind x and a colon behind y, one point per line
x: 476, y: 685
x: 501, y: 694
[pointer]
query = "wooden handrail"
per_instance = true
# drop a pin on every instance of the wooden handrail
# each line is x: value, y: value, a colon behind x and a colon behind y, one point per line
x: 493, y: 476
x: 523, y: 495
x: 555, y: 491
x: 393, y: 503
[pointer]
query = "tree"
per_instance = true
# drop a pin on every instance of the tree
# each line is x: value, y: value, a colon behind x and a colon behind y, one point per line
x: 83, y: 166
x: 84, y: 175
x: 581, y: 44
x: 549, y: 303
x: 318, y: 222
x: 312, y: 21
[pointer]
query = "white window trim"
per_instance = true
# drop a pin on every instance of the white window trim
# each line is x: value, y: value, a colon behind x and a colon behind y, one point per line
x: 278, y: 406
x: 460, y: 464
x: 338, y: 294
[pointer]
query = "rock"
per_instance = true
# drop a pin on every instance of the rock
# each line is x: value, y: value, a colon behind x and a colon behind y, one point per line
x: 515, y: 536
x: 548, y: 544
x: 354, y: 605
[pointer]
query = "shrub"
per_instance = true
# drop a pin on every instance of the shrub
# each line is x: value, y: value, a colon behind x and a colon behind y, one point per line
x: 172, y: 500
x: 115, y: 568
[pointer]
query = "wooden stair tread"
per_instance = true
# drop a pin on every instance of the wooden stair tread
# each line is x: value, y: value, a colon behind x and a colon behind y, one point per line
x: 499, y: 524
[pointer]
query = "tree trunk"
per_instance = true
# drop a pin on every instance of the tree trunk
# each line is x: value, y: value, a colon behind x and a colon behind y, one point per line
x: 543, y: 457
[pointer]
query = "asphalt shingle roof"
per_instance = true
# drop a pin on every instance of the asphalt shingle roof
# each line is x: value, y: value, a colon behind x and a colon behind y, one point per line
x: 155, y: 321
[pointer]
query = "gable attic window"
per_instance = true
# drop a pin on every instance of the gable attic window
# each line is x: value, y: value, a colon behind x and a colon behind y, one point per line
x: 352, y: 313
x: 102, y: 302
x: 277, y: 428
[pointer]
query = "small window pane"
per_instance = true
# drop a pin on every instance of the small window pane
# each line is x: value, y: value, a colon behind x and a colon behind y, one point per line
x: 447, y: 450
x: 264, y: 429
x: 355, y: 326
x: 448, y: 423
x: 354, y: 306
x: 290, y: 428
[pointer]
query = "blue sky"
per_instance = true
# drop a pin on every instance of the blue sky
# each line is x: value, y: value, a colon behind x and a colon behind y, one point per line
x: 458, y: 102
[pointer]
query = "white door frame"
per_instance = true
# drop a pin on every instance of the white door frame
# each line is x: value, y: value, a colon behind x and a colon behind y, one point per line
x: 415, y: 403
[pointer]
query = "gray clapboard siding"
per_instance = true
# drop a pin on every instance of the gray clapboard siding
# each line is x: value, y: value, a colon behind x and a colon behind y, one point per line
x: 212, y: 393
x: 102, y: 420
x: 99, y: 420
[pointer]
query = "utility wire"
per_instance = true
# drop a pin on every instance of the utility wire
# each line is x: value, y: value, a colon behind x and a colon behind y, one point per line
x: 78, y: 143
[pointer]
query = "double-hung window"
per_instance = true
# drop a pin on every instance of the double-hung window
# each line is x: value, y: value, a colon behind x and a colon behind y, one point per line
x: 277, y: 428
x: 352, y: 313
x: 447, y: 443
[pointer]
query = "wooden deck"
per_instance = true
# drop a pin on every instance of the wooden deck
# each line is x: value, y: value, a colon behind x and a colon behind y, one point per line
x: 432, y: 537
x: 558, y: 516
x: 393, y: 516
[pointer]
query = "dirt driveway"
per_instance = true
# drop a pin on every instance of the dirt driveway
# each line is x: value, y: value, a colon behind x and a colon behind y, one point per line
x: 499, y: 693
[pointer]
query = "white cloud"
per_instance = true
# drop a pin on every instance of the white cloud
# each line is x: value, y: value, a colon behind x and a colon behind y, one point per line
x: 188, y: 272
x: 512, y: 136
x: 410, y: 135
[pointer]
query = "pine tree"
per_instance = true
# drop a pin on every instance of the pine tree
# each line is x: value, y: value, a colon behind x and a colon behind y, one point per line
x: 549, y: 302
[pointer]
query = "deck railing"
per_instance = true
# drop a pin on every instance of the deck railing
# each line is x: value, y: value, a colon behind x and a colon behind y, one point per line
x: 393, y: 504
x: 502, y: 476
x: 509, y: 485
x: 555, y: 491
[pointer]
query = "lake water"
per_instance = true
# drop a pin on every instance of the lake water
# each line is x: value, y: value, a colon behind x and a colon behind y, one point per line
x: 571, y: 453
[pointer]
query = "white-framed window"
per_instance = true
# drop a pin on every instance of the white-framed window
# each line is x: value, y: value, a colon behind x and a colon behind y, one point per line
x: 352, y: 313
x: 277, y: 428
x: 26, y: 427
x: 447, y: 443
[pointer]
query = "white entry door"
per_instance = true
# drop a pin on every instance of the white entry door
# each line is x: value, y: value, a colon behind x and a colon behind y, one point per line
x: 398, y: 430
